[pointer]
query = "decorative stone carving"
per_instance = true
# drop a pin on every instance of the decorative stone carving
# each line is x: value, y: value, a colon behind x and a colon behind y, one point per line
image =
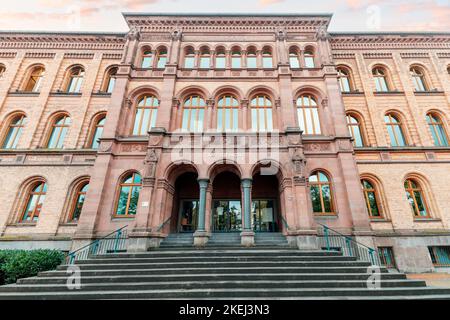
x: 317, y: 147
x: 299, y: 162
x: 176, y: 35
x: 133, y: 147
x: 127, y: 103
x: 133, y: 34
x: 322, y: 33
x: 105, y: 146
x: 345, y: 145
x: 325, y: 103
x: 281, y: 34
x: 175, y: 102
x: 151, y: 158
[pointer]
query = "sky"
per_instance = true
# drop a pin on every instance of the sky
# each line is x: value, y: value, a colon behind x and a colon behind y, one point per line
x: 106, y: 15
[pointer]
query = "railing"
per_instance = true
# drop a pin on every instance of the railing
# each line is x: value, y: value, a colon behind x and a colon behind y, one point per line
x: 111, y: 243
x: 285, y: 223
x: 335, y: 241
x: 162, y: 225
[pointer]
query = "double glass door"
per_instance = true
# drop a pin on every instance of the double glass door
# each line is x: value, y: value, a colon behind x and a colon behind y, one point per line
x: 227, y: 216
x: 263, y: 216
x: 188, y: 215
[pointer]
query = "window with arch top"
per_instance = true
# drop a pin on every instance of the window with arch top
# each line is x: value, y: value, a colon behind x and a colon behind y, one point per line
x: 418, y: 77
x: 395, y: 130
x: 372, y: 198
x: 437, y: 129
x: 355, y: 130
x: 416, y: 199
x: 321, y: 193
x: 110, y: 80
x: 344, y: 79
x: 147, y: 59
x: 145, y: 116
x: 308, y: 114
x: 75, y: 80
x: 58, y: 132
x: 78, y: 201
x: 35, y: 200
x: 129, y: 189
x: 193, y: 114
x: 14, y: 131
x: 261, y: 109
x: 34, y: 81
x: 97, y: 131
x: 380, y: 79
x: 227, y: 113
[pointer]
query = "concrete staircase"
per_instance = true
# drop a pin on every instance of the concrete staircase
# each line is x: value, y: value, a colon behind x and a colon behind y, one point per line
x: 262, y: 272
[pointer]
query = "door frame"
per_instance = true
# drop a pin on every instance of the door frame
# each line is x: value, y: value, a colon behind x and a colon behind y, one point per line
x: 213, y: 213
x: 179, y: 214
x: 275, y: 213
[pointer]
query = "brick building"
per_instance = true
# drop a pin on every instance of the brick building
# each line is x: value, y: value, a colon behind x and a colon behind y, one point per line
x: 203, y: 124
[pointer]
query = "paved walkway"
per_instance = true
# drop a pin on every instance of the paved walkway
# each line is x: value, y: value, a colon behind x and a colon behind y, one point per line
x: 432, y: 279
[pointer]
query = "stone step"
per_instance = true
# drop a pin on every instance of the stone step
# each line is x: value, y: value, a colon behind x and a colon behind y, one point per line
x: 235, y: 293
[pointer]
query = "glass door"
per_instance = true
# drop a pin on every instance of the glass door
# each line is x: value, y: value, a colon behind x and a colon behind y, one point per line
x: 227, y: 216
x: 263, y: 215
x: 188, y: 215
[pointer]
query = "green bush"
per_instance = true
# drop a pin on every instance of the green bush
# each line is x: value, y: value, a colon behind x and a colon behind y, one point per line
x: 16, y: 264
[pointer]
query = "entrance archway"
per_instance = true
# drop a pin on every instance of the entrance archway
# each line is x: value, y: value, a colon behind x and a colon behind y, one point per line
x: 186, y: 201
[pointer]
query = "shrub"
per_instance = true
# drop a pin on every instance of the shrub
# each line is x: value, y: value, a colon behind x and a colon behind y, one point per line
x: 16, y: 264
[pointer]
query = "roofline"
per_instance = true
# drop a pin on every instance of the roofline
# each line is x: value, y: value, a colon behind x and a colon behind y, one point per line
x: 391, y: 33
x: 64, y: 33
x: 227, y: 15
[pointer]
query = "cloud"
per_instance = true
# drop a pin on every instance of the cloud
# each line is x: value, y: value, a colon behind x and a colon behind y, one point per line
x: 265, y: 3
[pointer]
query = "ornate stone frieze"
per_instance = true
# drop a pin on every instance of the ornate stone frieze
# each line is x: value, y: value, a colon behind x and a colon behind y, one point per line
x: 377, y: 55
x: 414, y: 55
x: 133, y: 147
x: 317, y: 147
x: 112, y: 56
x: 41, y: 55
x: 5, y: 55
x: 343, y: 55
x: 78, y: 55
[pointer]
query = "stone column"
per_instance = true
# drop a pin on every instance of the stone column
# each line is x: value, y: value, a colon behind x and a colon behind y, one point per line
x: 201, y: 235
x: 247, y: 234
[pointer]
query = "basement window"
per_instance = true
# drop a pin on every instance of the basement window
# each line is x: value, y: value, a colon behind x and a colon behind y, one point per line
x: 440, y: 256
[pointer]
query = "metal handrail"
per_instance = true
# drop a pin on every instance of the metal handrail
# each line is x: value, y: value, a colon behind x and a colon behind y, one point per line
x: 101, y: 245
x: 163, y: 224
x: 286, y: 225
x: 349, y: 246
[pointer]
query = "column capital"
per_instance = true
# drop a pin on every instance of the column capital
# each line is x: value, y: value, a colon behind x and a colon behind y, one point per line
x: 203, y: 182
x: 246, y: 182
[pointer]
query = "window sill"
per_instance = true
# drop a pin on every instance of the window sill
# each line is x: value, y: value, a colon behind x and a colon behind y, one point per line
x: 120, y: 218
x: 68, y: 224
x: 66, y: 94
x: 24, y: 93
x: 425, y: 93
x: 380, y: 93
x: 101, y: 94
x: 23, y: 224
x: 325, y: 215
x: 379, y: 220
x: 427, y: 220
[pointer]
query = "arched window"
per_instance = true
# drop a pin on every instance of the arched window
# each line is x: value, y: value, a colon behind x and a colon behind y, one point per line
x: 221, y: 60
x: 2, y: 70
x: 344, y: 80
x: 58, y: 133
x: 78, y: 201
x: 205, y: 58
x: 418, y: 78
x: 35, y: 200
x: 355, y: 130
x: 75, y: 80
x: 14, y: 131
x: 34, y: 81
x: 309, y: 58
x: 395, y: 130
x: 294, y: 57
x: 267, y: 58
x: 416, y: 199
x: 437, y: 130
x: 146, y: 113
x: 236, y: 58
x: 380, y: 78
x: 110, y: 80
x: 261, y: 107
x: 161, y: 58
x: 252, y: 61
x: 308, y: 114
x: 227, y: 113
x: 97, y: 132
x: 147, y: 59
x: 321, y: 193
x: 193, y: 114
x: 371, y: 196
x: 189, y: 58
x: 129, y: 189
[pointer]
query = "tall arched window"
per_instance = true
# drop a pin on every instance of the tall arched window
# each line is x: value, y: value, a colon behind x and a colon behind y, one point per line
x: 147, y: 59
x: 308, y: 56
x: 395, y: 130
x: 205, y: 58
x: 189, y: 58
x: 161, y: 58
x: 193, y: 114
x: 227, y: 113
x: 129, y: 189
x: 35, y: 200
x: 371, y: 196
x: 75, y: 80
x: 58, y: 133
x: 97, y: 131
x: 146, y: 113
x: 221, y: 60
x: 308, y: 114
x: 14, y: 131
x: 416, y: 199
x: 262, y: 119
x: 267, y: 57
x: 78, y: 201
x: 110, y: 80
x: 321, y: 193
x: 34, y: 80
x: 344, y: 80
x: 418, y: 78
x: 252, y: 61
x: 380, y: 79
x: 2, y: 70
x: 294, y: 57
x: 437, y: 130
x: 355, y: 130
x: 236, y: 58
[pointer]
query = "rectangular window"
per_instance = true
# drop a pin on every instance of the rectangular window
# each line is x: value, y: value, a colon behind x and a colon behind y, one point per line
x: 251, y: 62
x: 309, y: 62
x: 220, y: 62
x: 440, y: 256
x: 386, y: 255
x: 267, y: 62
x: 189, y: 62
x: 204, y: 62
x: 162, y: 62
x: 236, y: 62
x: 293, y: 61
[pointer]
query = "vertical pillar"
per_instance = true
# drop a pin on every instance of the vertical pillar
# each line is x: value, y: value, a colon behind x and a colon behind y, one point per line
x: 201, y: 235
x: 247, y: 234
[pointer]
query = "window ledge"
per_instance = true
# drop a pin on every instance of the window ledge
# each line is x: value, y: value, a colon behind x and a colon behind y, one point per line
x: 325, y: 215
x: 380, y: 93
x: 379, y: 220
x: 68, y: 224
x: 24, y: 93
x: 23, y: 224
x: 350, y: 93
x: 427, y: 220
x: 425, y: 93
x: 102, y: 94
x: 67, y: 94
x: 121, y: 218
